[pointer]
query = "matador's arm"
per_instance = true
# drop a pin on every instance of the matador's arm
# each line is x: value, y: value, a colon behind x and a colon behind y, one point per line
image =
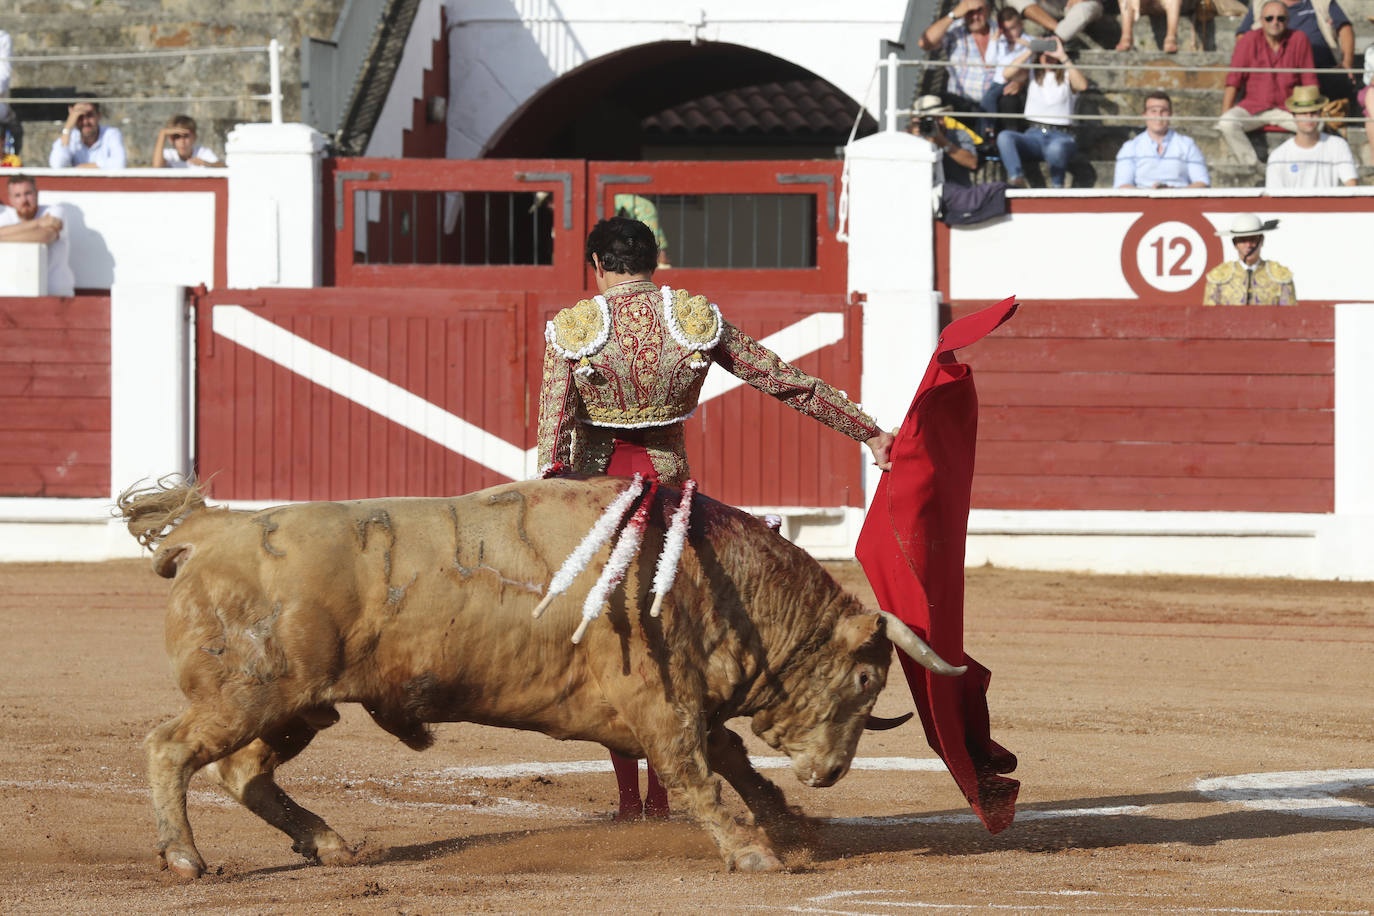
x: 558, y: 400
x: 752, y: 362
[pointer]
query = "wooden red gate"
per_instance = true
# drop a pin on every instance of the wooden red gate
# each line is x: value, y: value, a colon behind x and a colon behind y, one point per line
x: 418, y: 372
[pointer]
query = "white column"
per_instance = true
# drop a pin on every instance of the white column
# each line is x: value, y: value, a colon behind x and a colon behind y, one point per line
x: 892, y: 262
x: 24, y: 269
x: 1348, y: 548
x: 275, y: 230
x: 149, y: 389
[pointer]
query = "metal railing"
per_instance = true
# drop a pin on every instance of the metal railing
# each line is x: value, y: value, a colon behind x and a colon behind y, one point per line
x: 891, y: 65
x: 271, y: 49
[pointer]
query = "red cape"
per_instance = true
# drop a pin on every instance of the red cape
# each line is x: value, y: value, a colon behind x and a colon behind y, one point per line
x: 912, y: 549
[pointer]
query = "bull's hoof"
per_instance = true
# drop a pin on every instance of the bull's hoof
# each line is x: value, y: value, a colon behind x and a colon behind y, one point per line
x: 755, y: 858
x: 186, y: 863
x: 337, y: 856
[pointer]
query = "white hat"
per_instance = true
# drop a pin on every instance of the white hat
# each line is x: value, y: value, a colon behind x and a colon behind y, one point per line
x: 1246, y: 224
x: 928, y: 105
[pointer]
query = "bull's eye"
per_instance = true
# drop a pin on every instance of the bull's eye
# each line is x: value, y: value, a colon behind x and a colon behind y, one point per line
x: 863, y: 679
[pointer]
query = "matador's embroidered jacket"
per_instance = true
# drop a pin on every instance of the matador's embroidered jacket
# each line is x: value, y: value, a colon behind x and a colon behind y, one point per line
x: 631, y: 364
x: 1270, y: 283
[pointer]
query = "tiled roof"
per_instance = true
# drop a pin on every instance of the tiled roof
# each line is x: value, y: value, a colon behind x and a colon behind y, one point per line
x: 810, y: 107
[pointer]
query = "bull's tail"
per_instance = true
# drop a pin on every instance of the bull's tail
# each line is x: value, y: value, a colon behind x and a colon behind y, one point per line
x: 153, y: 512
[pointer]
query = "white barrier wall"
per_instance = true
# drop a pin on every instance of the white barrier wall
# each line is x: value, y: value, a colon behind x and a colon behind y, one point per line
x: 162, y: 235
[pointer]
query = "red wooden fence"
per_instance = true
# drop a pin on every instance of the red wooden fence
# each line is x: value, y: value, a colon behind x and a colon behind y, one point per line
x: 55, y: 396
x: 1187, y: 408
x: 266, y: 431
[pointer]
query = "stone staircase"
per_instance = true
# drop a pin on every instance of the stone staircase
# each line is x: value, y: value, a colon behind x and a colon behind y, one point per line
x: 1133, y: 74
x: 41, y: 27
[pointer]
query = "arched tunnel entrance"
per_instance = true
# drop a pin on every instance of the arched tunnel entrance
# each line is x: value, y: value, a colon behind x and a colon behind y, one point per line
x: 676, y: 100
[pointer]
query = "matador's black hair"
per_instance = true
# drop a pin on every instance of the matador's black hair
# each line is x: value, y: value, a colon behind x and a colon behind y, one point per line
x: 624, y: 246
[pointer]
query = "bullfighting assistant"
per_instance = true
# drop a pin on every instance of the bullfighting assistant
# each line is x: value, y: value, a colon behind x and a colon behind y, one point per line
x: 912, y: 550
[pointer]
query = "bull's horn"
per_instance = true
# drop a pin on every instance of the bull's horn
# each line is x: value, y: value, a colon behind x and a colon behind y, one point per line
x: 914, y: 646
x: 881, y: 724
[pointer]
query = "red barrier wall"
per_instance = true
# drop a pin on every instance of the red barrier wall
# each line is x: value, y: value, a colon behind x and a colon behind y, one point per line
x: 1156, y: 407
x: 55, y: 396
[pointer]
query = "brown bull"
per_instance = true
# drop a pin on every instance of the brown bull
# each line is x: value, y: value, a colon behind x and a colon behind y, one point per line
x: 420, y: 609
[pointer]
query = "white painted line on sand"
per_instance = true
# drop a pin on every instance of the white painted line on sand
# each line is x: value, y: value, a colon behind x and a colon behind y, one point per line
x: 577, y: 767
x: 1308, y: 793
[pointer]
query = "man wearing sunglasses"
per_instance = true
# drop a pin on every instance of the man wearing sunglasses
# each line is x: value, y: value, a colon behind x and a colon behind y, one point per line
x: 1328, y: 30
x: 1262, y: 95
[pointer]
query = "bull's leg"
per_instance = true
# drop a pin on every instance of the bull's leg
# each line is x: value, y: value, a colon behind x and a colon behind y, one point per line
x: 248, y: 775
x: 684, y: 769
x: 176, y: 750
x: 784, y: 825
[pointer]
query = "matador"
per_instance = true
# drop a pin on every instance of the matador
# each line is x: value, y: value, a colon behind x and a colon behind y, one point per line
x: 627, y: 366
x: 624, y: 369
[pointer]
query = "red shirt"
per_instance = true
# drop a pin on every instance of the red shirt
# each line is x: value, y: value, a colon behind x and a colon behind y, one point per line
x: 1262, y: 91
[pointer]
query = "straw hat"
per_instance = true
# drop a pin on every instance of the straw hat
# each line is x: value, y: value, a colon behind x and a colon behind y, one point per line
x: 1246, y: 224
x: 929, y: 105
x: 1305, y: 98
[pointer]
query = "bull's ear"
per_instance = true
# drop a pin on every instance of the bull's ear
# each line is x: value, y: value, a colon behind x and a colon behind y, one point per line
x: 860, y: 630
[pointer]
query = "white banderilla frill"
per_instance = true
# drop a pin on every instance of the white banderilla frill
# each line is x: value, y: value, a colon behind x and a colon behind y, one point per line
x: 614, y: 570
x: 601, y: 533
x: 668, y: 560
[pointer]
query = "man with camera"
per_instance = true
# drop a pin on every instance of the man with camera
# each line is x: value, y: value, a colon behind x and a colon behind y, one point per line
x: 961, y: 201
x: 957, y: 144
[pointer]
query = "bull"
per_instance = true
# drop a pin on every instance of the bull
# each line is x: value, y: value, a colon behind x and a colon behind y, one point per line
x: 420, y: 610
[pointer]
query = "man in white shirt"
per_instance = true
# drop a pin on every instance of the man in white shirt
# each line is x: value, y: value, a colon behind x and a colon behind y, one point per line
x: 176, y: 147
x: 25, y: 221
x: 1310, y: 158
x: 84, y: 144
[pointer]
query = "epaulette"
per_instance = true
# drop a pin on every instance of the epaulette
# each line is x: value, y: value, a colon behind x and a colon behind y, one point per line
x: 1222, y: 272
x: 580, y: 331
x: 694, y: 322
x: 1278, y: 272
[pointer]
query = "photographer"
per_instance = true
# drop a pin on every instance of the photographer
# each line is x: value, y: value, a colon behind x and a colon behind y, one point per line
x: 1050, y: 97
x: 961, y: 201
x: 957, y: 144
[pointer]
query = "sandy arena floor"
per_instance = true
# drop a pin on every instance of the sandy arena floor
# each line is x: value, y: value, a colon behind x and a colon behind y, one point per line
x: 1120, y: 696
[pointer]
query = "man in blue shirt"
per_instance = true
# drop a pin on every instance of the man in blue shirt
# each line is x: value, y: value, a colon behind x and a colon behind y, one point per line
x: 1160, y: 157
x: 84, y: 144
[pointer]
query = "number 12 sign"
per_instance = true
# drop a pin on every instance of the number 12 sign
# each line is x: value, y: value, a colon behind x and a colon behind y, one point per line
x: 1171, y: 256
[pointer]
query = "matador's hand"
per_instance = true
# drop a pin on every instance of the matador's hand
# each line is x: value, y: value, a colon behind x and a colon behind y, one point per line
x: 879, y: 445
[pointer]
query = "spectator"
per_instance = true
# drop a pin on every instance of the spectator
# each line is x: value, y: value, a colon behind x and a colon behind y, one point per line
x: 1049, y: 105
x: 1310, y: 158
x: 85, y: 144
x: 1328, y: 31
x: 176, y: 147
x: 1263, y: 94
x: 26, y: 221
x: 957, y: 146
x: 1004, y: 95
x: 961, y: 201
x: 1064, y: 18
x: 1131, y: 10
x: 10, y: 129
x: 1160, y: 157
x: 1251, y: 280
x: 966, y: 41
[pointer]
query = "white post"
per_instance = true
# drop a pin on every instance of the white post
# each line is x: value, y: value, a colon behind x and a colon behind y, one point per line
x: 274, y: 71
x: 892, y: 91
x: 891, y: 261
x: 149, y: 417
x: 275, y: 232
x: 24, y: 269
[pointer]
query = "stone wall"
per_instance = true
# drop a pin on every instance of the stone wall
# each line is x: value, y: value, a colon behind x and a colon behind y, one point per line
x: 52, y: 27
